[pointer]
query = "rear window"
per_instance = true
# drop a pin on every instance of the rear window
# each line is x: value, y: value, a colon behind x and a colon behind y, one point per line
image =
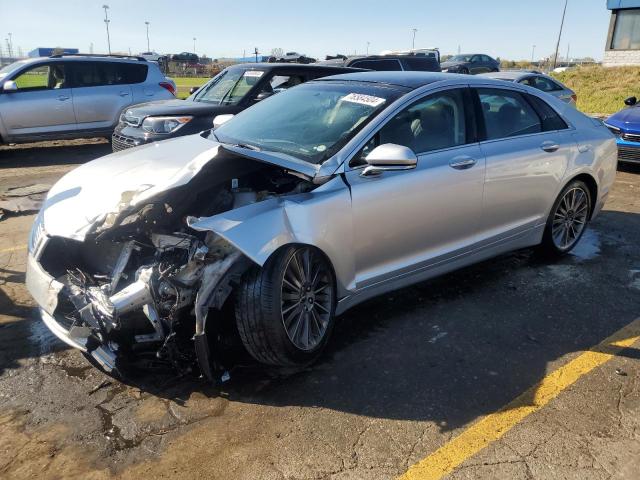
x: 423, y: 64
x: 380, y: 65
x: 550, y: 119
x: 95, y: 74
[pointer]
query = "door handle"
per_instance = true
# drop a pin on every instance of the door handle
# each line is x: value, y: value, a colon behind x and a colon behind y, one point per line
x: 123, y: 94
x: 62, y: 98
x: 549, y: 146
x: 462, y: 162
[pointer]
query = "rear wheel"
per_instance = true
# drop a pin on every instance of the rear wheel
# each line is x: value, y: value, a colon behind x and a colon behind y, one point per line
x: 285, y: 310
x: 568, y: 219
x: 464, y: 71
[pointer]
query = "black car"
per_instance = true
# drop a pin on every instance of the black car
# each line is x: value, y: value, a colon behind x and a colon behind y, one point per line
x: 472, y: 63
x: 419, y: 63
x: 231, y: 91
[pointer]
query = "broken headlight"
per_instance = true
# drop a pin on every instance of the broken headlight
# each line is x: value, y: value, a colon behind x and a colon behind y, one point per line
x: 164, y: 124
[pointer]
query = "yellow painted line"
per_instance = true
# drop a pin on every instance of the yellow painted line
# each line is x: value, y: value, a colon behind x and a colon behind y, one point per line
x: 494, y: 426
x: 13, y: 249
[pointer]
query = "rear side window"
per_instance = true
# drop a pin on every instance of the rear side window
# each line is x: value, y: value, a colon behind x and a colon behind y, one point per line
x: 380, y: 65
x: 507, y: 114
x: 95, y: 74
x: 544, y: 84
x: 423, y: 64
x: 550, y: 118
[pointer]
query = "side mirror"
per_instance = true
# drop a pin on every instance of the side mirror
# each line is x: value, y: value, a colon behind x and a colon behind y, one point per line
x: 263, y: 95
x: 193, y: 90
x: 389, y: 157
x: 9, y: 86
x: 220, y: 119
x: 631, y: 101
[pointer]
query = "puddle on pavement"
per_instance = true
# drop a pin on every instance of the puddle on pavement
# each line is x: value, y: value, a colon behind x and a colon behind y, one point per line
x: 588, y: 247
x: 41, y: 337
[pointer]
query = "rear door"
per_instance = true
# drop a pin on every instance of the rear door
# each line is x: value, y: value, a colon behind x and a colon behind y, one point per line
x: 42, y: 105
x: 100, y: 93
x: 527, y: 147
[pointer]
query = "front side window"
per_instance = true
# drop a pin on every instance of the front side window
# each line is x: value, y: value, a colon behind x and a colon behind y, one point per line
x: 379, y: 65
x: 433, y: 123
x: 507, y: 114
x: 43, y: 77
x: 310, y: 122
x: 626, y: 33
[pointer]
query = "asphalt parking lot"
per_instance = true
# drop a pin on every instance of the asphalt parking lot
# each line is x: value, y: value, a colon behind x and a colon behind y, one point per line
x: 513, y: 368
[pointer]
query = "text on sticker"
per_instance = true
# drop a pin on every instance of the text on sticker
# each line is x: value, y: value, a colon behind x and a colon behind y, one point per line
x: 362, y: 99
x: 253, y: 73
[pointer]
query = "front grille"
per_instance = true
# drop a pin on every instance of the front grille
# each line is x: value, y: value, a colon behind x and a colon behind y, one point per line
x: 630, y: 137
x: 629, y: 154
x: 120, y: 142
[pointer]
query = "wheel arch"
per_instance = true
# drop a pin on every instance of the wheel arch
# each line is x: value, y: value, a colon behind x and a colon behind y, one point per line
x: 591, y: 184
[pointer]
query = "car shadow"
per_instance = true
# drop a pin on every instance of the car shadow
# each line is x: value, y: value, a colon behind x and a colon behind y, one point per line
x: 63, y: 152
x: 454, y: 348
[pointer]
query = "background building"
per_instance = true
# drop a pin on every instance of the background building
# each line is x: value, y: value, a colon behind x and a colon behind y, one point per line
x: 47, y: 52
x: 623, y: 40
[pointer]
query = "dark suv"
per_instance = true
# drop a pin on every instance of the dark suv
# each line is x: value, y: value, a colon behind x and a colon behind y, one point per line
x: 419, y: 63
x: 231, y: 91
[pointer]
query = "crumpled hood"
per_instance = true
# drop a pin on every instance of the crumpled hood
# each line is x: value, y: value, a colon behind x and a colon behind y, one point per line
x: 178, y: 107
x: 627, y: 119
x: 87, y: 194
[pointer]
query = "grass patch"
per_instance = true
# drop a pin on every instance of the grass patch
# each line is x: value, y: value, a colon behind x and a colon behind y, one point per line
x: 185, y: 83
x: 602, y: 90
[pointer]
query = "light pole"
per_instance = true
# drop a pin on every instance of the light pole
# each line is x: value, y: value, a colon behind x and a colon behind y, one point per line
x: 368, y: 43
x: 413, y: 42
x: 10, y: 45
x: 147, y: 24
x: 555, y: 57
x: 533, y: 50
x: 106, y: 22
x: 194, y: 44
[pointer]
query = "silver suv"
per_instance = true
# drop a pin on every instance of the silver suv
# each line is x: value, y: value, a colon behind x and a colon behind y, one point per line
x: 67, y: 96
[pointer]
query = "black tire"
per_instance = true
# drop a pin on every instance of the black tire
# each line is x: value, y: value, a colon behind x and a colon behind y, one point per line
x: 464, y: 71
x: 581, y: 213
x: 261, y: 314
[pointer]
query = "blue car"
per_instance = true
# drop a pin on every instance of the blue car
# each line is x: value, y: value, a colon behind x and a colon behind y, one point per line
x: 625, y: 125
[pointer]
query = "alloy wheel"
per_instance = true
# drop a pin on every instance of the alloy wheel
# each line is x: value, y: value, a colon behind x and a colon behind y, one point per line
x: 306, y: 298
x: 570, y: 218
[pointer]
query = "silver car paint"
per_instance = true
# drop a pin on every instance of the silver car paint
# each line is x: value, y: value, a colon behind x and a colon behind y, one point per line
x: 566, y: 94
x: 382, y: 233
x: 72, y: 112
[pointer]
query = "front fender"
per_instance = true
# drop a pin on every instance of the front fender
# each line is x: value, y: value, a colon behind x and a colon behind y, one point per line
x: 321, y: 218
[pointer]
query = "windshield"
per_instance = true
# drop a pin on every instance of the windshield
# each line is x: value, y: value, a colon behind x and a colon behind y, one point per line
x: 311, y: 121
x: 228, y: 87
x: 4, y: 71
x: 460, y: 58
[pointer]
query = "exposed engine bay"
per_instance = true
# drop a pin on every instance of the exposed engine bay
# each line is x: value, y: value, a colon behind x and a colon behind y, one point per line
x: 140, y: 286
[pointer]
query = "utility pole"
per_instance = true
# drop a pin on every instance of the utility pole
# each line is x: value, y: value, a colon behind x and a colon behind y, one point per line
x: 568, y: 49
x: 564, y: 11
x: 368, y: 43
x: 10, y: 45
x: 413, y: 42
x: 533, y: 51
x: 256, y: 52
x: 106, y: 22
x: 147, y: 24
x: 194, y: 44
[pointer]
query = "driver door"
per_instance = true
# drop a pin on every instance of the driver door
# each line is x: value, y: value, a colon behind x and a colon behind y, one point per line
x: 415, y: 219
x: 42, y: 105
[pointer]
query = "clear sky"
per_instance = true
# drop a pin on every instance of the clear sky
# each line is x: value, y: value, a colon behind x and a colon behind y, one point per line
x: 504, y: 28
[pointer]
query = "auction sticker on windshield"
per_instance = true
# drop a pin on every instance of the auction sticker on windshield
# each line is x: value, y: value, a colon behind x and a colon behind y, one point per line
x: 253, y: 73
x: 362, y: 99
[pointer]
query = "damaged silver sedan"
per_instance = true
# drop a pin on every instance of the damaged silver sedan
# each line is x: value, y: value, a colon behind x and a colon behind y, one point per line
x: 303, y: 206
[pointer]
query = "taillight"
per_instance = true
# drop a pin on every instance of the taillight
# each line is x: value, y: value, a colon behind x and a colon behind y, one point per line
x: 575, y: 97
x: 168, y: 86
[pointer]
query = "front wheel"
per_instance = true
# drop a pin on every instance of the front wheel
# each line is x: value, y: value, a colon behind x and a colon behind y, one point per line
x: 464, y: 71
x: 285, y: 310
x: 568, y: 219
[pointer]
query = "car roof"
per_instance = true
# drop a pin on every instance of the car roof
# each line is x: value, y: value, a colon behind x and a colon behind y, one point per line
x: 410, y: 80
x: 289, y: 66
x: 82, y: 58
